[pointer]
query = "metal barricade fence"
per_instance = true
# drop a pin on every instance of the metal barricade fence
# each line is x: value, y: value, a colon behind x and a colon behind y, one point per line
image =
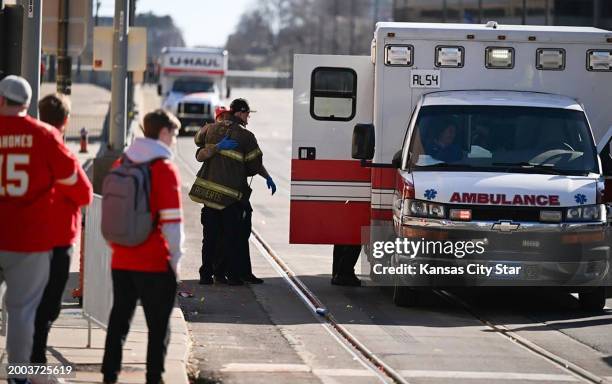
x: 97, y: 284
x: 93, y: 123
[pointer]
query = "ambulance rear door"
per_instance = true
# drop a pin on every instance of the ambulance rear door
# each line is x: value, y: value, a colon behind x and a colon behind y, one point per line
x: 330, y: 192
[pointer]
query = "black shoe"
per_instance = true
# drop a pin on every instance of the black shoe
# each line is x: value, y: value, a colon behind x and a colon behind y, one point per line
x: 252, y: 279
x: 220, y: 280
x: 231, y: 281
x: 346, y: 280
x: 205, y: 280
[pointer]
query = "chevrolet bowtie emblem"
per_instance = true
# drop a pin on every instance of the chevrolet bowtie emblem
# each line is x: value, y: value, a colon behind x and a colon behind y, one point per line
x: 505, y: 226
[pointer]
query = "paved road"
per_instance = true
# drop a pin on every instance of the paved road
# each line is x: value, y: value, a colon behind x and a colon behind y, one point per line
x: 266, y: 334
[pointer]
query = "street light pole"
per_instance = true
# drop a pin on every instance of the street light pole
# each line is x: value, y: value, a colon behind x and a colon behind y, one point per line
x: 118, y: 120
x: 30, y: 59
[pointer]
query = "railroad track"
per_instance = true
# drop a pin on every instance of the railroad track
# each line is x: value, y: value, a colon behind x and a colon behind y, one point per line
x: 380, y: 369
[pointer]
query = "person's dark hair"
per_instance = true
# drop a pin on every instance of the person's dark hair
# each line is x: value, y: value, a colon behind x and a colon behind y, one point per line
x: 154, y: 122
x: 54, y: 109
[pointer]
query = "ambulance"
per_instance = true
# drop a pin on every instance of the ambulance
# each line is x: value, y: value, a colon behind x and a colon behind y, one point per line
x: 492, y: 133
x: 192, y: 83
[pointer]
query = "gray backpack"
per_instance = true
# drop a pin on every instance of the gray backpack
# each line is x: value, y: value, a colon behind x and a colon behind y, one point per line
x: 126, y: 210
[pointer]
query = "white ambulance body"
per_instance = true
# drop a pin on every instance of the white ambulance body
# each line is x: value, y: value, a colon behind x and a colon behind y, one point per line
x: 526, y: 82
x: 192, y: 82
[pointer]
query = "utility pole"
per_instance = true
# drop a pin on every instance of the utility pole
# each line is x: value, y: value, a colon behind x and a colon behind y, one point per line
x: 130, y: 75
x: 546, y: 12
x: 351, y: 26
x: 335, y: 29
x: 64, y: 61
x: 524, y: 15
x: 30, y: 59
x: 597, y: 13
x: 118, y: 121
x: 444, y: 11
x: 96, y: 17
x: 376, y: 10
x: 480, y: 13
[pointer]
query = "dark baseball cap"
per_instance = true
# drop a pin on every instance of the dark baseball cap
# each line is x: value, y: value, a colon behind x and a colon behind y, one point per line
x: 240, y: 105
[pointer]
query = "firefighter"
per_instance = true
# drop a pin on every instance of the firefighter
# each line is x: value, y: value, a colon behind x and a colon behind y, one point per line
x: 232, y: 154
x: 216, y: 261
x: 343, y: 267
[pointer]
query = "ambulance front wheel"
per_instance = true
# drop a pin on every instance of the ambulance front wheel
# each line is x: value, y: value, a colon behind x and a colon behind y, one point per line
x: 592, y: 299
x: 404, y: 296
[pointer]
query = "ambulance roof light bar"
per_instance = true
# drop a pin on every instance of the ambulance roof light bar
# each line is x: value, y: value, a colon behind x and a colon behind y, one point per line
x: 552, y: 59
x: 399, y: 55
x: 449, y: 56
x: 499, y: 57
x: 599, y: 60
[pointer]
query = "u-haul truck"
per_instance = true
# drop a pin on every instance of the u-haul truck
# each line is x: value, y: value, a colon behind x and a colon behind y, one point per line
x: 462, y: 131
x: 192, y: 82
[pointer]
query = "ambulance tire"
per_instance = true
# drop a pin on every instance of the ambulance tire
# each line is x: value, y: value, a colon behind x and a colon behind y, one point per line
x: 405, y: 296
x: 592, y: 299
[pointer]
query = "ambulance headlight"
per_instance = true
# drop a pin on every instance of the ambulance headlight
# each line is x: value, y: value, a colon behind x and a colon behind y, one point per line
x: 449, y: 57
x: 585, y: 213
x: 499, y: 58
x: 550, y: 59
x: 599, y: 60
x: 424, y: 209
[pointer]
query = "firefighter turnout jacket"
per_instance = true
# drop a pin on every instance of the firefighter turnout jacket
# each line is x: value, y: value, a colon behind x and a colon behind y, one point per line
x: 223, y: 180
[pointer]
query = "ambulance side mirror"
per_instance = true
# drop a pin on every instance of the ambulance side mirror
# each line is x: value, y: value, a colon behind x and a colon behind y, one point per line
x: 159, y: 89
x: 363, y: 142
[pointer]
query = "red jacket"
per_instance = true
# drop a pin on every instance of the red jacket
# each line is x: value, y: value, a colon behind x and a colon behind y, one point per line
x: 66, y: 208
x: 165, y: 200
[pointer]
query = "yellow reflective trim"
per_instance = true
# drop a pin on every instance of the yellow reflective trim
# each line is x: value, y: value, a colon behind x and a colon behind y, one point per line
x: 232, y: 154
x: 253, y: 154
x: 218, y: 188
x: 206, y: 202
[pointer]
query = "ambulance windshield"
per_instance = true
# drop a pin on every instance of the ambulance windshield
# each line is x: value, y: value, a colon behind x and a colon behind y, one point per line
x: 193, y: 86
x: 503, y: 139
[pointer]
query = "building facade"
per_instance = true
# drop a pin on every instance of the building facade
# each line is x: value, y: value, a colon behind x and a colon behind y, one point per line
x: 596, y: 13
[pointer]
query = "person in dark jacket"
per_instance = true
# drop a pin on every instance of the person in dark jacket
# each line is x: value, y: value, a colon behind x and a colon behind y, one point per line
x: 232, y: 154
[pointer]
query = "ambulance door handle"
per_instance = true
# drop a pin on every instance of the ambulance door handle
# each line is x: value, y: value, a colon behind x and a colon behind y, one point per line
x: 307, y: 153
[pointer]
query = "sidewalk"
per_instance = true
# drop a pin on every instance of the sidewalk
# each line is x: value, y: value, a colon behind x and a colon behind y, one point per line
x: 68, y: 338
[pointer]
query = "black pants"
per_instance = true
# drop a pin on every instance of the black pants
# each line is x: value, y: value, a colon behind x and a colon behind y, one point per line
x: 157, y: 292
x: 51, y: 302
x: 345, y: 258
x: 221, y: 241
x: 244, y: 252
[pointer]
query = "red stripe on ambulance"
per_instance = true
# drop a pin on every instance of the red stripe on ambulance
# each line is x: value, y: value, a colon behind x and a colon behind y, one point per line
x: 341, y: 223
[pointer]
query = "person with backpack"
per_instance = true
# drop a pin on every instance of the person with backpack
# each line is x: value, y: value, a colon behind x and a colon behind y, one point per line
x: 142, y: 220
x: 54, y: 109
x: 33, y: 162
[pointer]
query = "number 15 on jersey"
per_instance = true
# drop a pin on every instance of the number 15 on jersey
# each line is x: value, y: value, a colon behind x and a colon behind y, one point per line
x: 13, y: 181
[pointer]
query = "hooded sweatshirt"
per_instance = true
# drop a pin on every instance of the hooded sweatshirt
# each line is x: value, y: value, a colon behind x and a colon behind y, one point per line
x: 163, y: 247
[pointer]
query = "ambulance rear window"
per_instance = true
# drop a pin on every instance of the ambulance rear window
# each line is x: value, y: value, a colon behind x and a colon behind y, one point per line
x: 333, y: 94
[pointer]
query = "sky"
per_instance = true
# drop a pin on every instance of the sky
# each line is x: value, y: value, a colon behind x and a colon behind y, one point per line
x: 204, y: 22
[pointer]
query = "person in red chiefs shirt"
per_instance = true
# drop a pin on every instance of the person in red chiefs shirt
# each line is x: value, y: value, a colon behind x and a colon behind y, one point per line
x: 149, y: 271
x: 54, y: 109
x: 33, y: 161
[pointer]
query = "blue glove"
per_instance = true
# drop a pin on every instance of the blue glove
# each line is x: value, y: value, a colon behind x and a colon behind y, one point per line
x: 227, y: 143
x: 270, y: 184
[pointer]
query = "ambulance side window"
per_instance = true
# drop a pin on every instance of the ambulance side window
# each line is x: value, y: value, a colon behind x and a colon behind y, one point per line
x: 333, y: 94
